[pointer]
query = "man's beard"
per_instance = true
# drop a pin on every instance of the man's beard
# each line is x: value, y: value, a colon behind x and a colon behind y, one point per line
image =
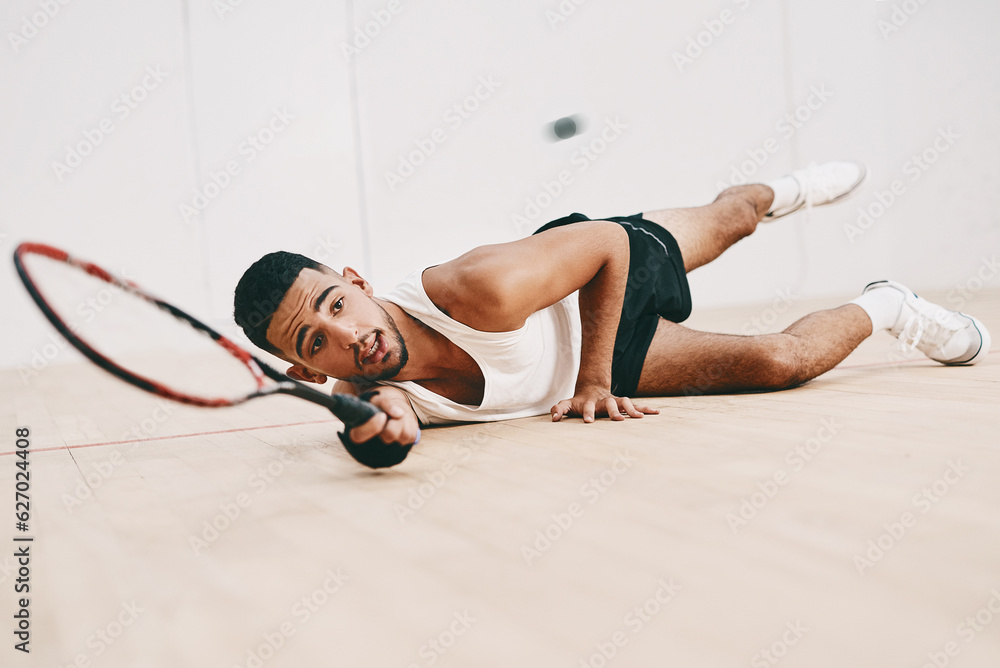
x: 390, y: 372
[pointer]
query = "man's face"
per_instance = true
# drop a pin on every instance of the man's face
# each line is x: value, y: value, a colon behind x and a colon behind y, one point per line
x: 330, y: 326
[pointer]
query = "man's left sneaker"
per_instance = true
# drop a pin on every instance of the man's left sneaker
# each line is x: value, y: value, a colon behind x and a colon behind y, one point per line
x: 949, y: 337
x: 822, y: 184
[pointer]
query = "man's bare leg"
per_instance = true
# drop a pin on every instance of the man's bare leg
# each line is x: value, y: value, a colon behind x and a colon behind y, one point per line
x: 704, y: 232
x: 683, y: 361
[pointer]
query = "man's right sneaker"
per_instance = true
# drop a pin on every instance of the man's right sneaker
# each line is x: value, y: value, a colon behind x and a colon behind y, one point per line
x: 822, y: 184
x: 949, y: 337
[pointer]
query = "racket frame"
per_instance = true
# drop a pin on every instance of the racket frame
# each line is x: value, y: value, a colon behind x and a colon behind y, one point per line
x: 349, y: 409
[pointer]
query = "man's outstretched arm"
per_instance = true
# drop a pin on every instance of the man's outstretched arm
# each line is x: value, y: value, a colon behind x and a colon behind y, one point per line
x: 495, y: 288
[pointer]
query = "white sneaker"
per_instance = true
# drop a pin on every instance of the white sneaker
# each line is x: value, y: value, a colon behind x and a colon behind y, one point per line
x: 949, y: 337
x: 823, y: 184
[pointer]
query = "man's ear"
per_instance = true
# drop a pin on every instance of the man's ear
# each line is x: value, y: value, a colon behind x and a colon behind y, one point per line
x: 299, y: 372
x: 354, y: 278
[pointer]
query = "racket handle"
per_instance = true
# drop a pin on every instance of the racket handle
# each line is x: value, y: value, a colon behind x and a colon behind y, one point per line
x: 374, y: 453
x: 352, y: 410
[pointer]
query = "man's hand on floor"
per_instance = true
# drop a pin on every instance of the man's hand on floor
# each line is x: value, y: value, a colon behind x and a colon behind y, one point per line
x: 591, y: 402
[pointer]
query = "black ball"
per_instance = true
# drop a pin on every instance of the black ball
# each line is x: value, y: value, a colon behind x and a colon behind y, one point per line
x: 564, y: 128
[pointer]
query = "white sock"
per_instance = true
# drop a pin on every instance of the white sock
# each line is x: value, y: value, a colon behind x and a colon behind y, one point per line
x: 786, y: 192
x: 882, y: 306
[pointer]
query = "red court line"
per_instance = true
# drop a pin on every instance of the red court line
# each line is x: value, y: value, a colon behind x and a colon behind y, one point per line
x: 167, y: 438
x: 295, y: 424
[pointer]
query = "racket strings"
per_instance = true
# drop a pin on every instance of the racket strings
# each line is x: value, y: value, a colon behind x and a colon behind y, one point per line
x: 114, y: 318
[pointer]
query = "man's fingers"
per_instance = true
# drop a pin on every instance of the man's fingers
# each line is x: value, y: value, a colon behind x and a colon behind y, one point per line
x: 367, y: 430
x: 615, y: 407
x: 629, y: 408
x: 388, y: 430
x: 393, y: 432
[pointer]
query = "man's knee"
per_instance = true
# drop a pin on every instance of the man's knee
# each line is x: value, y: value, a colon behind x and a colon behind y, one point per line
x: 742, y: 209
x: 777, y: 364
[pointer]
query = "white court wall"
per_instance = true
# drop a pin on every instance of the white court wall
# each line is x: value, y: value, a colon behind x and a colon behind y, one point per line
x: 891, y: 77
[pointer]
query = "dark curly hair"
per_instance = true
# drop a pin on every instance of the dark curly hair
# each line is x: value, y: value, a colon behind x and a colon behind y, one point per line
x: 261, y: 289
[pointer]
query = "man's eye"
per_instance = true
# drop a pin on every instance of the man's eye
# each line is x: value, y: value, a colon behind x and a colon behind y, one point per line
x: 339, y: 304
x: 317, y: 344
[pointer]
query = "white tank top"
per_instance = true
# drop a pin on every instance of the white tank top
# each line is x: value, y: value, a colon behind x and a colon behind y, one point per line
x: 527, y: 371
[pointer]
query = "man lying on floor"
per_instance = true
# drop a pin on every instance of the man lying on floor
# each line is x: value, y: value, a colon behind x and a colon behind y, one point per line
x: 500, y: 332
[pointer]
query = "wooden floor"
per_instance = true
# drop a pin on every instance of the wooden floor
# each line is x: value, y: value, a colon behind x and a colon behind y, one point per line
x: 854, y: 521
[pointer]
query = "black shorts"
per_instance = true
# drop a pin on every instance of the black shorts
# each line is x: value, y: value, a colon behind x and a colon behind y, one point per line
x: 657, y: 287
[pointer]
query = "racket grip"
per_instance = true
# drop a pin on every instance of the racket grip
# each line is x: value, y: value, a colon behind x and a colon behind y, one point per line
x: 374, y: 453
x: 352, y: 410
